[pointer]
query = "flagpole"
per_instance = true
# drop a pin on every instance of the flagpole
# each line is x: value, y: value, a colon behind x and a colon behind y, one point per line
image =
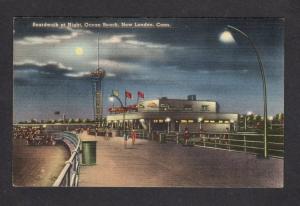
x: 124, y: 111
x: 125, y: 97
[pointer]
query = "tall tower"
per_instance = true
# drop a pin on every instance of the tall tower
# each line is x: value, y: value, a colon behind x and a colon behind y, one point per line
x: 97, y: 77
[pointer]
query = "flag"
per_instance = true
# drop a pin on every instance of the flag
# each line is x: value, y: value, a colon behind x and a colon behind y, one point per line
x: 128, y: 94
x: 141, y: 94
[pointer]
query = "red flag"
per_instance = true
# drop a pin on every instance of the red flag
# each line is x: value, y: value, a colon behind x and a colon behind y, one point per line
x: 141, y: 94
x: 128, y: 94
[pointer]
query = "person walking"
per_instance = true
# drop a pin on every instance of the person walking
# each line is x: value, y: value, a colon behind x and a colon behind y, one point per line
x: 186, y: 135
x: 125, y: 138
x: 133, y: 136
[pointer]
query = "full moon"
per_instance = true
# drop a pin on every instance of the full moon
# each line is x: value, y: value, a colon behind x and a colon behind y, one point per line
x: 226, y: 37
x: 78, y: 51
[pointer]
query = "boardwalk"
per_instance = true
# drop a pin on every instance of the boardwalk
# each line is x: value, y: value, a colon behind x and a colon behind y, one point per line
x: 150, y: 164
x: 37, y: 166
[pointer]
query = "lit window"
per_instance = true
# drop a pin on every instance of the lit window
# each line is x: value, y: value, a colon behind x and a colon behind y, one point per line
x: 183, y: 121
x: 204, y: 107
x: 190, y: 121
x: 187, y: 107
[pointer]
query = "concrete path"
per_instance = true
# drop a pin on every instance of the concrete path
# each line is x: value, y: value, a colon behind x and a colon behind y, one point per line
x: 150, y: 164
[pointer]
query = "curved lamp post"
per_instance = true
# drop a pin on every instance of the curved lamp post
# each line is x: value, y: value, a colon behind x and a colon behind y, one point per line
x: 114, y: 96
x: 168, y: 120
x: 232, y: 28
x: 200, y: 120
x: 246, y: 116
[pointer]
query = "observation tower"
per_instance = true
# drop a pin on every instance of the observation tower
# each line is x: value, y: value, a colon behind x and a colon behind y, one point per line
x: 97, y: 91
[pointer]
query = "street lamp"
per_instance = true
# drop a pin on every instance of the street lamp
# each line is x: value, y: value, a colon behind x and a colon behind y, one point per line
x: 111, y: 98
x: 232, y: 28
x: 168, y: 119
x: 271, y: 121
x: 246, y: 116
x: 200, y: 120
x: 232, y: 122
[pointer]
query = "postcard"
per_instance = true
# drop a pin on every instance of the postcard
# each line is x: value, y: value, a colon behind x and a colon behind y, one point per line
x: 148, y: 102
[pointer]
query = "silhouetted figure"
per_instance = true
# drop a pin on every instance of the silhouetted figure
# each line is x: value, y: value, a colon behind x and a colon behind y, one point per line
x: 186, y: 135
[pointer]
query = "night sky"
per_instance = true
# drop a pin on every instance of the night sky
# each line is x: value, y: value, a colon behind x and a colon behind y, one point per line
x: 190, y: 57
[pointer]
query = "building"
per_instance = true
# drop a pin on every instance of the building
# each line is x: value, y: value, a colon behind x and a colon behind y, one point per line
x: 174, y: 115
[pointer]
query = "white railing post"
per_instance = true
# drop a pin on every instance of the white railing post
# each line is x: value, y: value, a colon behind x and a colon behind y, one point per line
x: 245, y: 145
x: 208, y: 137
x: 229, y: 142
x: 215, y: 141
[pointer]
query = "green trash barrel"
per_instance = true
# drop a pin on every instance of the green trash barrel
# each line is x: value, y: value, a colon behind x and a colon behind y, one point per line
x: 88, y: 152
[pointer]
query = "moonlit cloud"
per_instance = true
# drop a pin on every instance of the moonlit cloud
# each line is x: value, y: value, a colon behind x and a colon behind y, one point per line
x: 130, y: 40
x: 109, y: 74
x: 115, y: 39
x: 30, y: 63
x: 77, y: 74
x: 146, y: 44
x: 86, y: 74
x: 116, y: 66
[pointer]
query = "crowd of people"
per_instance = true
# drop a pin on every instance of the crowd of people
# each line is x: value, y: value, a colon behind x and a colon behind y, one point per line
x: 33, y: 136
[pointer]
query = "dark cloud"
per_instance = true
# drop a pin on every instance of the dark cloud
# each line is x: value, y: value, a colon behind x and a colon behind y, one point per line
x: 35, y: 73
x: 50, y: 68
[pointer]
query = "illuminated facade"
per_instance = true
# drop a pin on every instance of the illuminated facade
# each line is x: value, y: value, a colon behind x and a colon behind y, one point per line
x: 176, y: 114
